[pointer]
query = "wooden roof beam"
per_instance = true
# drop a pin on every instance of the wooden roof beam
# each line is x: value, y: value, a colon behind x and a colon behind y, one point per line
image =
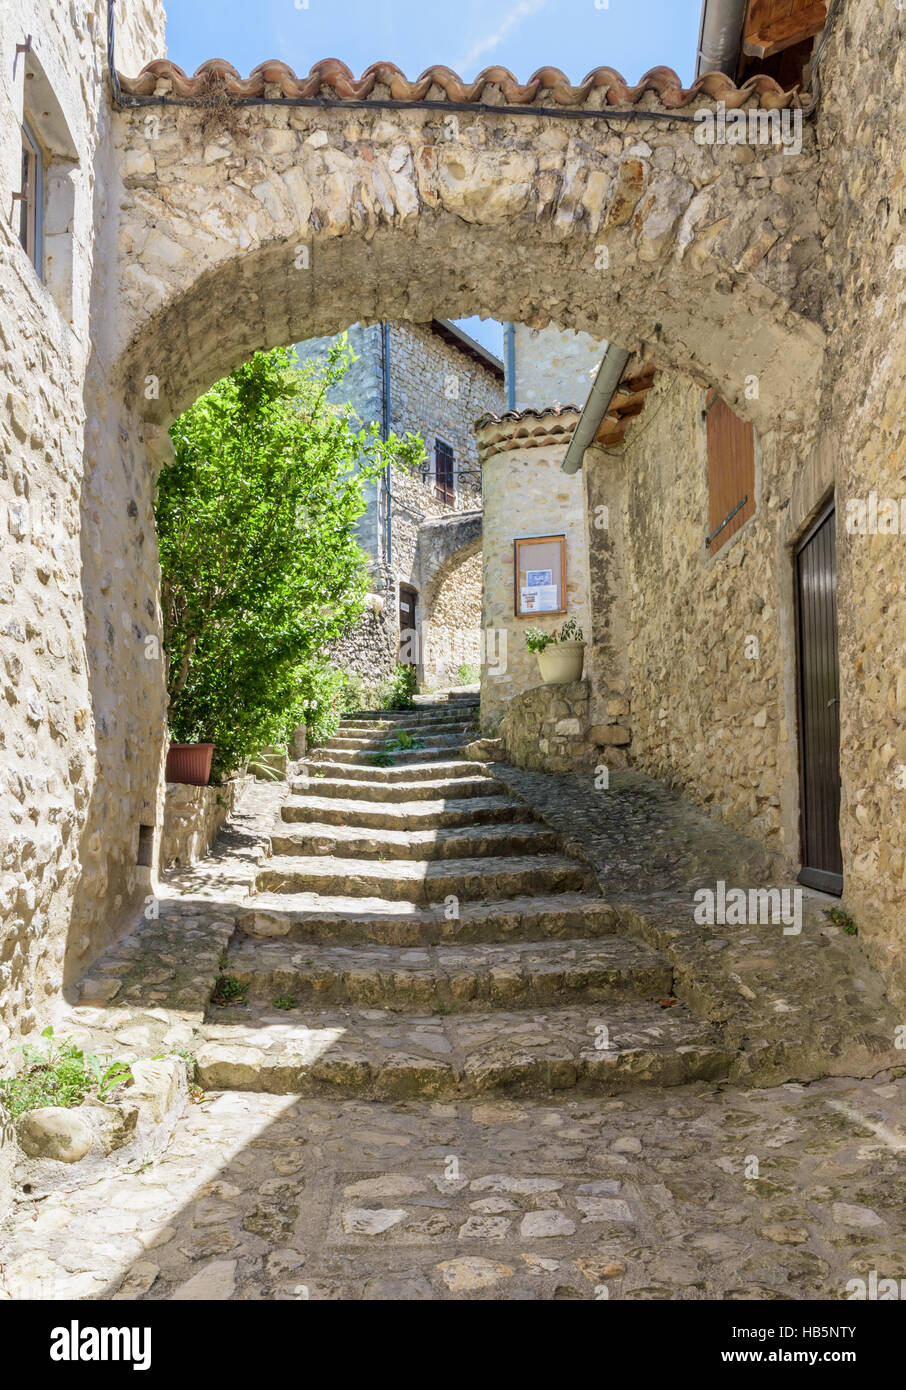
x: 776, y: 35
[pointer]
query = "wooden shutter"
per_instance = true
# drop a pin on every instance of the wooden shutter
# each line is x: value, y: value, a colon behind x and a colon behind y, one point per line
x: 731, y: 472
x: 28, y: 197
x: 443, y: 472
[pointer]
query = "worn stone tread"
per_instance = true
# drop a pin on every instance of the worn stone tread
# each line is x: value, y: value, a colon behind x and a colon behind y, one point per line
x: 314, y: 917
x: 454, y: 977
x: 457, y: 786
x: 402, y: 757
x: 440, y: 771
x: 457, y: 842
x: 405, y: 815
x: 433, y: 735
x: 378, y: 1055
x: 423, y: 880
x: 420, y: 714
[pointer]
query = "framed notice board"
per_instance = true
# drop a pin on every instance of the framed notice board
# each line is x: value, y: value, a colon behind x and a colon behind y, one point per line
x: 539, y: 575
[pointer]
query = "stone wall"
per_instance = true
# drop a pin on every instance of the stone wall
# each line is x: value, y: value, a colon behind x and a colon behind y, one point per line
x: 526, y: 494
x: 455, y: 625
x: 436, y: 390
x: 305, y: 221
x: 706, y: 716
x: 193, y: 817
x: 725, y: 263
x: 78, y: 774
x: 370, y: 649
x: 554, y: 364
x: 862, y: 134
x: 546, y: 728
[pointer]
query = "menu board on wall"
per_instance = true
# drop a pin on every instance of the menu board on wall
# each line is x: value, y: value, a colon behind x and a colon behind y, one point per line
x: 539, y: 564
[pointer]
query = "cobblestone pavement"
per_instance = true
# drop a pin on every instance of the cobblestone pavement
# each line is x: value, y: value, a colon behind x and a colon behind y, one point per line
x: 544, y: 1093
x: 795, y: 1006
x: 650, y: 1195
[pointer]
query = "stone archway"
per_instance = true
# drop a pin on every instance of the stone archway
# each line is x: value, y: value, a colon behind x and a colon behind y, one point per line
x: 218, y: 242
x: 287, y: 222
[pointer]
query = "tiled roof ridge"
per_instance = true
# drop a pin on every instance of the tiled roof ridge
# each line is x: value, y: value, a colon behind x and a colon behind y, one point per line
x: 491, y: 417
x: 340, y: 81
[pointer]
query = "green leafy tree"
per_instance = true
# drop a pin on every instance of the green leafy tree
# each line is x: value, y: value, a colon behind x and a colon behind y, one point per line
x: 261, y: 568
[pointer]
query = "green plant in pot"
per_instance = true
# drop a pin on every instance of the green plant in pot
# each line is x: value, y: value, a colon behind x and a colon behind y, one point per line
x: 561, y: 654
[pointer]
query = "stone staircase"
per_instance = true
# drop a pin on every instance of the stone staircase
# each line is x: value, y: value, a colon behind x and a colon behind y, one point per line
x: 425, y: 936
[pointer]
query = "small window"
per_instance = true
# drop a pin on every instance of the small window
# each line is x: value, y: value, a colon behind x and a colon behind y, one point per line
x: 731, y: 472
x: 145, y: 857
x: 444, y: 481
x: 31, y: 198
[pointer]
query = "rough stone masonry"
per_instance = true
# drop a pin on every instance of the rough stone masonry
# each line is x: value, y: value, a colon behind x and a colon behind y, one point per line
x: 193, y: 246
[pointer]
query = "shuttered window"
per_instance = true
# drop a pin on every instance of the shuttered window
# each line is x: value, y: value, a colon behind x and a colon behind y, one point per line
x: 443, y: 472
x: 31, y: 198
x: 731, y: 472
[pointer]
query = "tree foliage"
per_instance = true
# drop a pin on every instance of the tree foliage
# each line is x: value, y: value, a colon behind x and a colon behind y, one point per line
x: 261, y: 568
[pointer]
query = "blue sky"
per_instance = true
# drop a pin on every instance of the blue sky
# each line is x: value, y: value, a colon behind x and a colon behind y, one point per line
x: 574, y: 35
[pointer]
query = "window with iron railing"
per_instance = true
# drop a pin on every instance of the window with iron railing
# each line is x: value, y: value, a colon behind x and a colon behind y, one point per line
x: 444, y: 476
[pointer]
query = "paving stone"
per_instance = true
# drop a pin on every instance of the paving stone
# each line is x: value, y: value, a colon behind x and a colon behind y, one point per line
x: 475, y: 1106
x: 729, y: 1243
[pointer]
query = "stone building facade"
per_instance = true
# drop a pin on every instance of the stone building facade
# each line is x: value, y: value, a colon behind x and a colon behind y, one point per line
x: 552, y: 365
x: 726, y: 263
x: 79, y: 775
x: 706, y: 646
x: 525, y: 495
x: 431, y: 380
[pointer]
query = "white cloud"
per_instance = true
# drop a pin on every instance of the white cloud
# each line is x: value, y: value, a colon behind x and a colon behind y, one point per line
x: 510, y: 21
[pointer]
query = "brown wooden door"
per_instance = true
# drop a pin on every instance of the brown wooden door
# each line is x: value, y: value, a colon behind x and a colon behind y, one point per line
x: 819, y: 707
x: 408, y: 653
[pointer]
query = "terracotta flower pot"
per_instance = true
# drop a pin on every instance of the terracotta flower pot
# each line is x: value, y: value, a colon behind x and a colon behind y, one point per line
x: 561, y: 662
x: 189, y: 763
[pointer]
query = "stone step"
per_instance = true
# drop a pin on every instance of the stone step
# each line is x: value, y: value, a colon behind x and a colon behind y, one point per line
x: 314, y: 917
x: 440, y: 771
x: 458, y: 978
x: 375, y: 1055
x: 424, y: 881
x: 448, y: 749
x: 405, y: 815
x: 377, y: 741
x: 368, y: 728
x: 458, y: 842
x: 469, y: 695
x: 419, y: 714
x: 400, y: 788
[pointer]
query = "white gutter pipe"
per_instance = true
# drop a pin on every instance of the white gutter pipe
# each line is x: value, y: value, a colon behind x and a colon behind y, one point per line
x: 610, y: 374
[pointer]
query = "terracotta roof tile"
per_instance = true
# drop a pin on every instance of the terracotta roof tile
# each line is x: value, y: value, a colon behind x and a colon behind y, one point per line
x: 539, y: 428
x: 491, y: 417
x: 603, y: 88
